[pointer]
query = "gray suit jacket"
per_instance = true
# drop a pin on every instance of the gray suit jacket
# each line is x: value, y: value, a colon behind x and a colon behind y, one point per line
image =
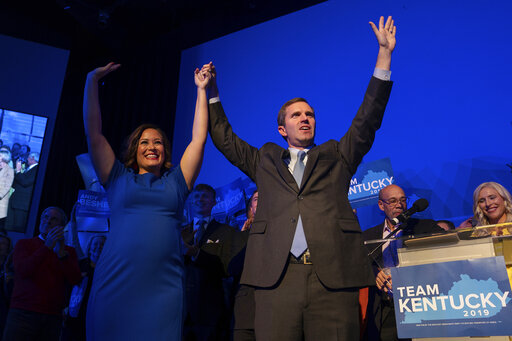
x: 332, y: 231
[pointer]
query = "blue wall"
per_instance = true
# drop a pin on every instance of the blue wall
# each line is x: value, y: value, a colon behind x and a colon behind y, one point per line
x: 448, y: 123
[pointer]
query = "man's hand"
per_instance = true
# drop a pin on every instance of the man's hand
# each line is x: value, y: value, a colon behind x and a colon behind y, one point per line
x: 213, y: 91
x: 202, y: 77
x: 384, y: 281
x: 102, y: 71
x: 53, y: 236
x: 386, y: 37
x: 247, y: 224
x: 466, y: 223
x: 18, y: 166
x: 385, y: 33
x: 190, y: 250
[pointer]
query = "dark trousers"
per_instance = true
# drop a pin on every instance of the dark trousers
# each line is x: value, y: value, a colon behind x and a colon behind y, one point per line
x: 199, y: 332
x: 24, y: 325
x: 243, y: 329
x: 300, y: 308
x: 381, y: 324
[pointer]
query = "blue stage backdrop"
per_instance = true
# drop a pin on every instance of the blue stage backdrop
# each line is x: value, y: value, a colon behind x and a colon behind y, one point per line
x: 448, y: 124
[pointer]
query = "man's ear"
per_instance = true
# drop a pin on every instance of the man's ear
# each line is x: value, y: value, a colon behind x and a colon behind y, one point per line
x: 381, y: 205
x: 282, y: 131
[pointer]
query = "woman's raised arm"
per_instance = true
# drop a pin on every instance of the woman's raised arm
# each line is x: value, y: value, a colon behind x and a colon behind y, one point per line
x: 193, y: 156
x: 101, y: 153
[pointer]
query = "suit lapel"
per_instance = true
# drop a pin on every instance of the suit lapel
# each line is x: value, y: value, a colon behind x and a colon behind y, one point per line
x: 310, y: 165
x: 210, y: 229
x: 287, y: 176
x: 282, y: 169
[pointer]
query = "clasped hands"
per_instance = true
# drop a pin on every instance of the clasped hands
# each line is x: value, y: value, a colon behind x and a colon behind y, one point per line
x: 55, y: 241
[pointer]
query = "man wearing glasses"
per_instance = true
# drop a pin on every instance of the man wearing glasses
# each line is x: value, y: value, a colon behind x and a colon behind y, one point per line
x: 381, y: 323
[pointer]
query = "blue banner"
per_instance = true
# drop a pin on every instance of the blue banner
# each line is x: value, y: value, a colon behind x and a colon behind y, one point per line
x: 92, y: 204
x: 453, y: 299
x: 369, y: 179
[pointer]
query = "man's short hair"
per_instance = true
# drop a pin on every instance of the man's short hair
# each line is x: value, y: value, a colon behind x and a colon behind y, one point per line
x: 34, y: 155
x: 447, y: 222
x: 63, y: 217
x: 281, y: 115
x: 205, y: 188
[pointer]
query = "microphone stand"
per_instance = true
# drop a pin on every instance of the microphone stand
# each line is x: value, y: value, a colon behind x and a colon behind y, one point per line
x: 398, y: 227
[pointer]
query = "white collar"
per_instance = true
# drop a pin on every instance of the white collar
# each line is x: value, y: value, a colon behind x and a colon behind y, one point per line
x: 32, y: 166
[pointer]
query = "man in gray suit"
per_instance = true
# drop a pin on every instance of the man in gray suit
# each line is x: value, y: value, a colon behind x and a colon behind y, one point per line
x: 304, y: 255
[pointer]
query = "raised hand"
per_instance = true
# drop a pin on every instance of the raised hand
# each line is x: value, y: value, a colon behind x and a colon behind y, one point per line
x: 213, y: 91
x: 202, y: 77
x: 247, y: 224
x: 53, y: 236
x: 210, y: 68
x: 18, y: 166
x: 102, y: 71
x: 385, y: 33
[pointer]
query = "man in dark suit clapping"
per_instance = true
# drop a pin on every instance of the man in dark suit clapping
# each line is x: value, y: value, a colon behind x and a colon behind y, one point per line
x: 208, y: 249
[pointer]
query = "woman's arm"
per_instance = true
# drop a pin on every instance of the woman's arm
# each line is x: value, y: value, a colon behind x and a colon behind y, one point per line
x: 74, y: 233
x: 100, y: 151
x: 193, y: 156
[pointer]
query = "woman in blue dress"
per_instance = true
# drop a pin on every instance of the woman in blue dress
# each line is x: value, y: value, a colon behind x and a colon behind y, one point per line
x: 137, y: 291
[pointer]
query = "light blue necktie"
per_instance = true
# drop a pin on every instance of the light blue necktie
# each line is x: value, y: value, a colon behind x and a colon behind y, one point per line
x: 299, y: 244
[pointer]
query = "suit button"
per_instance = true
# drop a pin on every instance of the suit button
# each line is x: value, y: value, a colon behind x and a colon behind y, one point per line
x: 300, y: 197
x: 293, y: 220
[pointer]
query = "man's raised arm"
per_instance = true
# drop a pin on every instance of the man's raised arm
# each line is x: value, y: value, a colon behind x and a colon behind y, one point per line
x: 360, y: 136
x: 236, y: 150
x: 385, y: 35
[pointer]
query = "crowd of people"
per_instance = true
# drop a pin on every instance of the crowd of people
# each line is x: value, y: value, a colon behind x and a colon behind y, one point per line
x: 18, y: 170
x: 293, y: 272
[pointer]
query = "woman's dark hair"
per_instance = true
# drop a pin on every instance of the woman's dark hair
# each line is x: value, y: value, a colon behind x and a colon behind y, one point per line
x: 129, y: 156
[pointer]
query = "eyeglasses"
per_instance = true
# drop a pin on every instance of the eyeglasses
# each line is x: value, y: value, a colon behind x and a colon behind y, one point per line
x: 394, y: 201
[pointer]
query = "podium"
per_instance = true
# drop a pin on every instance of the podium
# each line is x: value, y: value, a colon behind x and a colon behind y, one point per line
x: 459, y: 245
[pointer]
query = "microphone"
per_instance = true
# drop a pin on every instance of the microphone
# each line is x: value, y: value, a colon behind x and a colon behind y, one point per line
x: 418, y: 206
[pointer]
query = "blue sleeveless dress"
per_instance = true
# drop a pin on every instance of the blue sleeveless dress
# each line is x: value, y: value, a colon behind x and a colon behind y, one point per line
x: 137, y: 291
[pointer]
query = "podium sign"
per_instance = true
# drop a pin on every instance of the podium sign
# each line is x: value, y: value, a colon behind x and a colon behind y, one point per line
x: 452, y: 299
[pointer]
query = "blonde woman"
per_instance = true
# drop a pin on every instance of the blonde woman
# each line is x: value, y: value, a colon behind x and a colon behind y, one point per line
x: 6, y: 179
x: 492, y: 204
